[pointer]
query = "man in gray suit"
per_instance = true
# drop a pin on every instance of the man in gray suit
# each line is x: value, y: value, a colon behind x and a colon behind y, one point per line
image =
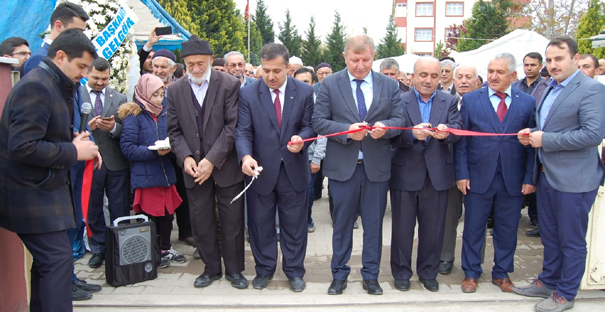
x: 570, y: 124
x: 358, y: 165
x: 113, y: 178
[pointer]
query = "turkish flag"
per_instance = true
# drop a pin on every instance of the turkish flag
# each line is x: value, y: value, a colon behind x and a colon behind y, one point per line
x: 248, y: 10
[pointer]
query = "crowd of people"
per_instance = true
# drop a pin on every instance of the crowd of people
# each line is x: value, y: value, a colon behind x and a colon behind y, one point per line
x: 230, y: 125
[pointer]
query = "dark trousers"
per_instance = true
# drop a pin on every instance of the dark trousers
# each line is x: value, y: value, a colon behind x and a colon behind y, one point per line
x: 116, y: 184
x: 428, y: 206
x: 506, y: 224
x: 183, y: 220
x: 75, y: 234
x: 163, y: 227
x: 563, y: 225
x: 202, y: 210
x: 318, y: 184
x: 532, y: 208
x: 369, y: 198
x: 311, y: 196
x: 51, y: 271
x: 292, y: 208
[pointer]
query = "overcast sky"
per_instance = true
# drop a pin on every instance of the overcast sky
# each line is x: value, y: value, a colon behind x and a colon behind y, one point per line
x: 372, y: 14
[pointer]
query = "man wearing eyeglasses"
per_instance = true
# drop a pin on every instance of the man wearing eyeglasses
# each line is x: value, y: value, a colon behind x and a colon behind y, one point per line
x: 16, y: 48
x: 236, y: 67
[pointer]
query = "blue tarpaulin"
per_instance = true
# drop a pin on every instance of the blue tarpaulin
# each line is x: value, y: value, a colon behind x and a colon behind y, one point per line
x: 26, y: 19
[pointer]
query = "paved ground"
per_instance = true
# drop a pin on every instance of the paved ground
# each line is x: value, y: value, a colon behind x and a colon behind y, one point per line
x: 173, y: 289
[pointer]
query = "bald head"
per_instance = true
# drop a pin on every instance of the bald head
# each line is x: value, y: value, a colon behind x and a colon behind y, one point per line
x: 465, y: 78
x: 426, y: 75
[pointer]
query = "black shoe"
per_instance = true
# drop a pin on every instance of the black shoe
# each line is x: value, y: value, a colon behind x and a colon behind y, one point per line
x: 297, y: 284
x: 92, y: 288
x: 205, y: 280
x: 96, y: 260
x: 187, y: 240
x: 196, y: 254
x: 337, y: 286
x: 261, y: 281
x: 163, y: 264
x: 445, y: 267
x: 237, y: 280
x: 402, y: 285
x: 372, y: 287
x: 78, y: 294
x: 490, y: 223
x: 430, y: 285
x: 533, y: 233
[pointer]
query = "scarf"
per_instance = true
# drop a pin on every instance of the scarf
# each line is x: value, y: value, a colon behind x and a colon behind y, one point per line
x: 147, y: 86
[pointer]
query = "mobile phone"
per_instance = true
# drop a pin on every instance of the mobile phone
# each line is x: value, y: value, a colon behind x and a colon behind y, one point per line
x: 159, y: 31
x: 107, y: 118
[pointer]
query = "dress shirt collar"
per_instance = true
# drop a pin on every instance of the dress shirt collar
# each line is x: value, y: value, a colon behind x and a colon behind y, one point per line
x: 90, y: 90
x: 367, y: 78
x: 492, y: 92
x: 419, y: 97
x: 282, y: 89
x: 553, y: 82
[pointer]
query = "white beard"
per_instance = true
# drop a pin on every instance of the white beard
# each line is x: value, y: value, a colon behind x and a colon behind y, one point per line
x: 195, y: 80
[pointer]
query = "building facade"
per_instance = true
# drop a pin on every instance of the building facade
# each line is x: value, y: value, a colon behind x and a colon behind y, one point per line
x: 422, y: 24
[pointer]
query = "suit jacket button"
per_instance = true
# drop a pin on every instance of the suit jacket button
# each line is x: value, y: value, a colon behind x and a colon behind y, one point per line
x: 69, y: 100
x: 197, y: 152
x: 281, y: 145
x: 197, y: 135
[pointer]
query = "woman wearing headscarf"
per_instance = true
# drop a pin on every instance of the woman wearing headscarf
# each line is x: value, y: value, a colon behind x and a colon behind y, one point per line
x: 152, y: 174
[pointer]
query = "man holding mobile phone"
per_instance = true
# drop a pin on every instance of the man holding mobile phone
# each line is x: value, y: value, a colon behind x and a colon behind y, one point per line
x: 113, y: 178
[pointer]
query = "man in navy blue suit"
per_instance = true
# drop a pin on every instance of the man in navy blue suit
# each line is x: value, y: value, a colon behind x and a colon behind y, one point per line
x: 273, y: 111
x: 494, y: 171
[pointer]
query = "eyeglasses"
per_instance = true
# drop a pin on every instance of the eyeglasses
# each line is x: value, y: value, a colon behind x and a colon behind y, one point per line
x: 324, y: 73
x: 234, y: 65
x: 23, y: 53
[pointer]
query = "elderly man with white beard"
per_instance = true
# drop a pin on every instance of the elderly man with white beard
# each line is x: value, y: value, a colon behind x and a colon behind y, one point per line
x: 202, y: 116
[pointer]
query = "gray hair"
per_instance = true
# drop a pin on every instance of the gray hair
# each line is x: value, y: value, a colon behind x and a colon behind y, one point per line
x: 511, y: 63
x: 424, y: 58
x: 467, y: 65
x: 389, y: 63
x: 171, y: 62
x: 234, y: 53
x: 359, y: 44
x: 449, y: 63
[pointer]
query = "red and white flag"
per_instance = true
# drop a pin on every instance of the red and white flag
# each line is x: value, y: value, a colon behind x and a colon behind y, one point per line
x: 248, y: 10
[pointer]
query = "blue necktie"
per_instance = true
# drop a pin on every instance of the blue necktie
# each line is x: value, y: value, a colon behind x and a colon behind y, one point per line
x: 361, y: 100
x: 361, y: 104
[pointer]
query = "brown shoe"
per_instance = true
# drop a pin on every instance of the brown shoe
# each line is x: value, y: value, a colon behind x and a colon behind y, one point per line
x: 469, y: 285
x: 505, y: 284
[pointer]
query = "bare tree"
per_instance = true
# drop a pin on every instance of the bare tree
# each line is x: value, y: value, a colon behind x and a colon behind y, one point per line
x: 552, y: 18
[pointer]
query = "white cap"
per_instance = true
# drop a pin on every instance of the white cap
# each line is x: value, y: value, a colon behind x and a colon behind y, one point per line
x: 295, y: 61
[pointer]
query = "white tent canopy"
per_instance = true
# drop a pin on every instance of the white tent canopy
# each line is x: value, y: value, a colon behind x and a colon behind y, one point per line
x: 518, y: 43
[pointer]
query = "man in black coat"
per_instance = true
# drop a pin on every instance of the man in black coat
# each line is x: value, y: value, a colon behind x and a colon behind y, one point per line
x: 37, y: 149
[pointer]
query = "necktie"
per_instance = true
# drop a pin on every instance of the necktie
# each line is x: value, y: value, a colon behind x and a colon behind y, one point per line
x: 361, y: 100
x: 502, y: 109
x: 277, y: 105
x: 98, y: 103
x: 361, y: 104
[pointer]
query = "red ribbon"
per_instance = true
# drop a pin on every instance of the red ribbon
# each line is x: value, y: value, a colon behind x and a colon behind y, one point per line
x: 454, y: 131
x: 86, y: 186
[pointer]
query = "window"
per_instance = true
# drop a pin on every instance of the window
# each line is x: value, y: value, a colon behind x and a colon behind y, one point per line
x: 449, y: 33
x: 424, y: 9
x: 454, y: 9
x: 424, y: 34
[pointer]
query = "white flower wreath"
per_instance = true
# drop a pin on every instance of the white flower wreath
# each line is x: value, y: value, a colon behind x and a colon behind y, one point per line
x: 101, y: 12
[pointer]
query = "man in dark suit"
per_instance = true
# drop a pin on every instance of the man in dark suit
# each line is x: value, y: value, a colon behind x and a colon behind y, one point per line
x: 494, y: 171
x: 447, y: 77
x: 358, y: 165
x: 570, y: 123
x: 202, y: 115
x: 37, y: 149
x: 272, y: 112
x: 113, y: 178
x: 422, y: 172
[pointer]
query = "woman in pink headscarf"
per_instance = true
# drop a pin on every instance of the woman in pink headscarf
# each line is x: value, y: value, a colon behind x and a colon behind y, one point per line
x: 152, y: 174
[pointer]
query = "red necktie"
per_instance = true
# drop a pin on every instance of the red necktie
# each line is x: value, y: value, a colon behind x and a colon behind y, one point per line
x: 502, y: 109
x: 277, y: 105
